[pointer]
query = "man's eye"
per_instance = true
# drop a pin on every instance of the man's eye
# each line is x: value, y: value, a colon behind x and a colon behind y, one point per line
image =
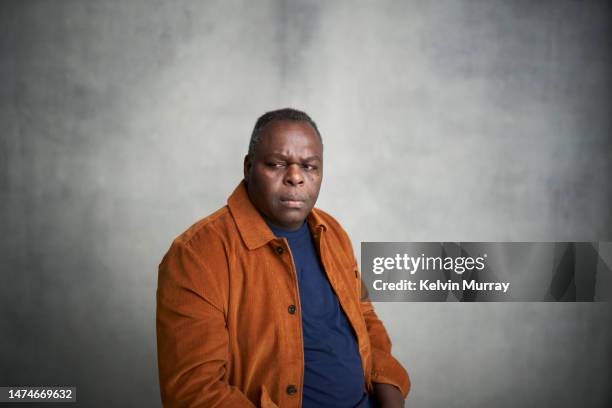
x: 309, y: 167
x: 276, y: 165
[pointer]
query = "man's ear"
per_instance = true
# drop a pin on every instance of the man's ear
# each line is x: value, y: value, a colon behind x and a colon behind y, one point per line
x: 247, y: 167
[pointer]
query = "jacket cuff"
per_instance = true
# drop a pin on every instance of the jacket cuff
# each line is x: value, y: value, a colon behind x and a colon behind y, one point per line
x: 386, y: 369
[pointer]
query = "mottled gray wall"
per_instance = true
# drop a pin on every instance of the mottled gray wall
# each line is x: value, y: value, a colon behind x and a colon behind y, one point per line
x: 122, y: 122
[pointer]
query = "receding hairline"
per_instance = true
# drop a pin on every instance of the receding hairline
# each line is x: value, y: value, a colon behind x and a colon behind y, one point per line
x: 279, y: 115
x: 313, y: 135
x: 276, y: 121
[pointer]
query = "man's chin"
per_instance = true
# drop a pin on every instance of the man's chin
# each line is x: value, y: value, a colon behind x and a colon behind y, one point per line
x: 292, y: 218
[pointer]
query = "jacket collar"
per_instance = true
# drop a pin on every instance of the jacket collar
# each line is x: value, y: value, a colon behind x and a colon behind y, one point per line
x: 250, y: 223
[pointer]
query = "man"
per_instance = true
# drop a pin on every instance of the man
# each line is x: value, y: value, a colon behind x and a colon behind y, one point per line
x: 259, y: 303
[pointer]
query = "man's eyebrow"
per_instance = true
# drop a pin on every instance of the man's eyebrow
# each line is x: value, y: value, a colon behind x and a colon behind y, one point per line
x: 284, y: 157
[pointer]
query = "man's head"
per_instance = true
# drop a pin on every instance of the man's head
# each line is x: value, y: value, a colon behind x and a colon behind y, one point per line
x: 283, y: 169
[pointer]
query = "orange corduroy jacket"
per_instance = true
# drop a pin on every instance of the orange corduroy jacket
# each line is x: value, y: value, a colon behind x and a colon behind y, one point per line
x: 229, y: 328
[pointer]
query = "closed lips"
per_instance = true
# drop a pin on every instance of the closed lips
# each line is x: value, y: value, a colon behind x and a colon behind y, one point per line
x: 292, y: 202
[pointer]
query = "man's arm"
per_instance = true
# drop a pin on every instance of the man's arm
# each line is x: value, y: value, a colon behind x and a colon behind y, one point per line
x: 192, y: 339
x: 390, y: 379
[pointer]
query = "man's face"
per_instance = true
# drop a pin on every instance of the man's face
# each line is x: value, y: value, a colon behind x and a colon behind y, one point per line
x: 285, y: 173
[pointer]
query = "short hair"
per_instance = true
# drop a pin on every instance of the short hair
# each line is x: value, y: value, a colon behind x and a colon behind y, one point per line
x: 288, y: 114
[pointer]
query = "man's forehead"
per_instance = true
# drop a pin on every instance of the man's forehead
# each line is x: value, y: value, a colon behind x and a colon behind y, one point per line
x: 283, y: 136
x: 289, y: 126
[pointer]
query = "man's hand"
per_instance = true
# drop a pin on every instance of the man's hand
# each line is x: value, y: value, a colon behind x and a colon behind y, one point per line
x: 388, y: 396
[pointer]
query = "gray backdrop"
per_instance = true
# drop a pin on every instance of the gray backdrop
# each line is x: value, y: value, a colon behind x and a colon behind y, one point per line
x: 123, y: 122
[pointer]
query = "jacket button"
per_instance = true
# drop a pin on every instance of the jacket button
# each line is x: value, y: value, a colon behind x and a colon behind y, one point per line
x: 292, y: 389
x: 280, y: 250
x: 292, y: 309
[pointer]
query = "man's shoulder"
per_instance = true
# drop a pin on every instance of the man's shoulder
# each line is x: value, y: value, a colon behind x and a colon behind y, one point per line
x: 336, y: 237
x: 213, y: 225
x: 333, y: 225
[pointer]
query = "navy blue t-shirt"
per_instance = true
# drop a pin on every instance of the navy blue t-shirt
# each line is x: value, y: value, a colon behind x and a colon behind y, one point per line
x: 333, y: 374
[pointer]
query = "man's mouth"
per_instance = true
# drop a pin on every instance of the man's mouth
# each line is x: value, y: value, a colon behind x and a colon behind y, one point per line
x: 291, y: 202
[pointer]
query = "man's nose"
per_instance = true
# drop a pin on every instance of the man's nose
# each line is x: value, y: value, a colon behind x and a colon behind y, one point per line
x: 293, y: 175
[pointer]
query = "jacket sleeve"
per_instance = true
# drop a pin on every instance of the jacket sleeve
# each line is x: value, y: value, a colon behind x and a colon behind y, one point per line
x: 192, y: 338
x: 385, y: 368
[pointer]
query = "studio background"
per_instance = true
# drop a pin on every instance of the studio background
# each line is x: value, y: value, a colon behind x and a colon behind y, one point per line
x: 123, y: 122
